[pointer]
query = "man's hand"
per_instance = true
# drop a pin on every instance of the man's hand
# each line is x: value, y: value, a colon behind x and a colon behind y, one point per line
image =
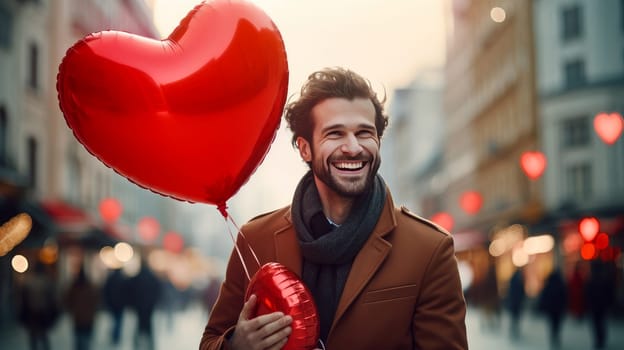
x: 265, y: 332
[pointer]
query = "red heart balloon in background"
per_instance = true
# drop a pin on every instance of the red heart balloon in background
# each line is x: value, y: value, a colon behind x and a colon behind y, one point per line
x: 533, y: 164
x: 471, y: 202
x: 589, y: 228
x: 609, y: 126
x: 110, y: 210
x: 191, y: 116
x: 444, y: 219
x: 279, y: 289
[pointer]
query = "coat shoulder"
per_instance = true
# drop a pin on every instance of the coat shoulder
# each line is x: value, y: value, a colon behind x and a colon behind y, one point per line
x: 260, y: 216
x: 410, y: 214
x: 269, y: 221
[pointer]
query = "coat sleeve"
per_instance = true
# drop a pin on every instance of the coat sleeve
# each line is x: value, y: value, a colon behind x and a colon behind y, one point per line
x: 224, y: 314
x: 439, y: 318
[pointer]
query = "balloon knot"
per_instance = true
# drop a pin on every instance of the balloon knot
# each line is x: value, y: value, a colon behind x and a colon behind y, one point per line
x: 223, y: 209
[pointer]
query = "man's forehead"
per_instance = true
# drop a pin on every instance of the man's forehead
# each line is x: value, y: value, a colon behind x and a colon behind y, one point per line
x: 343, y: 109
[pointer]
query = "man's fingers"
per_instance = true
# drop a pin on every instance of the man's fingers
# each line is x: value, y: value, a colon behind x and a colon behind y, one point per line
x: 277, y: 340
x: 248, y: 307
x: 263, y: 320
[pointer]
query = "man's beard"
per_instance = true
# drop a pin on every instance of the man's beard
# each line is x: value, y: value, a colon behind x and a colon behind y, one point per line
x: 351, y: 189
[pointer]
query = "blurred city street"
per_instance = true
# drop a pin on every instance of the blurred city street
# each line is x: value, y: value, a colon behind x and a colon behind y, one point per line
x: 183, y: 331
x: 126, y: 132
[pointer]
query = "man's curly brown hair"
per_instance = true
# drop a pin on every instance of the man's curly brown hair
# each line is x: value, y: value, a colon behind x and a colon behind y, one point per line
x: 328, y: 83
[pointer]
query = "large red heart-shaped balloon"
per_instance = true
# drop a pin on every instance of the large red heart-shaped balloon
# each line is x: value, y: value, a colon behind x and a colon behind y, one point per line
x: 279, y: 289
x: 191, y: 116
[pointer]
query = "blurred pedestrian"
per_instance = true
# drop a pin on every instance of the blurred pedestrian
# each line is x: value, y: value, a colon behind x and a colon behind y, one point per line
x: 576, y: 292
x: 490, y: 299
x: 552, y: 302
x: 145, y: 290
x: 82, y: 302
x: 210, y: 293
x: 599, y: 293
x: 116, y: 299
x: 515, y: 302
x: 39, y: 308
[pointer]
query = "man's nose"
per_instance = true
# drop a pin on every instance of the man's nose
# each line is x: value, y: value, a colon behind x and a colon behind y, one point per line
x: 351, y: 145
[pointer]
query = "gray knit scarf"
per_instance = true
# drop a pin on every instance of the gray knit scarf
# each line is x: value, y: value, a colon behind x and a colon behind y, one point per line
x: 327, y: 259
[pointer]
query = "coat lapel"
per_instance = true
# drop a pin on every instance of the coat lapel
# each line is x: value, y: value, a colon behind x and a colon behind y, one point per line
x: 368, y: 260
x: 287, y: 250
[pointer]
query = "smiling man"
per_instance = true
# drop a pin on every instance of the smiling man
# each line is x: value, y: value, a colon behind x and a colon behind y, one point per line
x: 381, y: 277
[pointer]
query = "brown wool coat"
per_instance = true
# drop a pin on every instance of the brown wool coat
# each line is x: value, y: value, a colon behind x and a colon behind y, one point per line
x: 403, y: 291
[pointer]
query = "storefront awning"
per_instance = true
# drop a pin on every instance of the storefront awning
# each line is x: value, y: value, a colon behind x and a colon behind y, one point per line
x: 67, y: 218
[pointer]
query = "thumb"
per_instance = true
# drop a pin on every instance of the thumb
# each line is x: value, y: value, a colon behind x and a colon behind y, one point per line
x: 248, y: 308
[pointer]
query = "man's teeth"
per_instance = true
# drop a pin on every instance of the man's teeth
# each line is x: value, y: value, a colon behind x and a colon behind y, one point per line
x: 349, y: 165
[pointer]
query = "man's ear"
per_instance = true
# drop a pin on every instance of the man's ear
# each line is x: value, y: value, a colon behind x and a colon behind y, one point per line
x: 304, y: 149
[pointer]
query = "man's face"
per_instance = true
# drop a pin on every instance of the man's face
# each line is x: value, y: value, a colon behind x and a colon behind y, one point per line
x: 345, y: 148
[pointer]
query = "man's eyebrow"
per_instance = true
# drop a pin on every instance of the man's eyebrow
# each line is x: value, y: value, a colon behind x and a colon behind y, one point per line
x: 342, y: 126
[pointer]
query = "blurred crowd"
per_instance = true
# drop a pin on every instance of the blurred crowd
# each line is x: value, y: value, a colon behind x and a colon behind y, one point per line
x: 40, y: 303
x: 585, y: 294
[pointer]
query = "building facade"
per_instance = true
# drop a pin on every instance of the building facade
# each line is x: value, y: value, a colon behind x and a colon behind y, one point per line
x: 44, y: 170
x: 580, y: 66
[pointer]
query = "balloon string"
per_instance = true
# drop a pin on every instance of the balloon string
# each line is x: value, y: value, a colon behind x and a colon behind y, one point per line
x: 245, y: 238
x: 226, y: 216
x: 240, y: 256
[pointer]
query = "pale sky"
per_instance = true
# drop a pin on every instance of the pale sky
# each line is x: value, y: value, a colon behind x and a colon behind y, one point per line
x: 387, y: 41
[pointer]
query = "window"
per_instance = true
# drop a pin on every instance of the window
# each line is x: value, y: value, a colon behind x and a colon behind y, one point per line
x: 579, y: 182
x: 622, y: 14
x: 572, y: 25
x: 3, y: 135
x: 33, y: 61
x: 31, y: 147
x: 6, y: 23
x: 574, y: 73
x: 575, y: 132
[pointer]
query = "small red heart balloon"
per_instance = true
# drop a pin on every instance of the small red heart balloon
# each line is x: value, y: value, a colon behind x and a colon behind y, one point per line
x: 110, y: 210
x: 279, y: 289
x: 533, y: 164
x: 609, y: 126
x: 191, y: 116
x: 589, y: 228
x: 444, y: 219
x: 471, y: 202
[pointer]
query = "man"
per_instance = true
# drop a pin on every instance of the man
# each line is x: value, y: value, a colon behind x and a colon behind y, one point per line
x: 381, y: 277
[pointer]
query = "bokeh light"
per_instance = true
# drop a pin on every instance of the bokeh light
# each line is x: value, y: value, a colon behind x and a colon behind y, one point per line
x: 123, y: 252
x: 588, y: 251
x: 589, y: 227
x: 602, y: 241
x: 471, y: 202
x: 110, y: 210
x: 19, y: 263
x: 444, y: 219
x: 107, y: 255
x: 173, y: 242
x: 498, y: 14
x: 148, y: 228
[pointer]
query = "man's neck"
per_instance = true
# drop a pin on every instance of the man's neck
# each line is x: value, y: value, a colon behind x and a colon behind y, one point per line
x: 335, y: 207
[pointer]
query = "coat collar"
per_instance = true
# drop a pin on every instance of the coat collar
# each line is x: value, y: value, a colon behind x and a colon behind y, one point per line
x: 369, y: 259
x: 366, y: 263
